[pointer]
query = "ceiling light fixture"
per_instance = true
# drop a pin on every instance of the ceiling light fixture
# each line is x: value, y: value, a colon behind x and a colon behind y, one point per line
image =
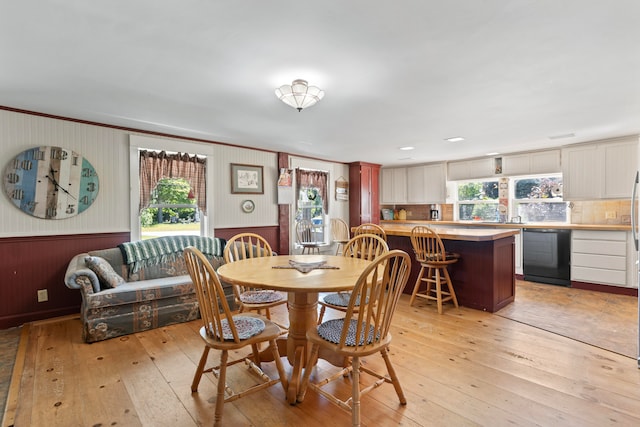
x: 407, y: 148
x: 455, y: 139
x: 299, y: 94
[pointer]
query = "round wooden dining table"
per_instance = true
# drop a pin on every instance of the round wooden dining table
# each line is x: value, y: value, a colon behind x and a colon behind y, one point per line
x: 339, y: 273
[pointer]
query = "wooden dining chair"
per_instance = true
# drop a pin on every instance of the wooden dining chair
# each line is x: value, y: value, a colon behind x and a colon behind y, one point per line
x: 251, y: 245
x: 364, y: 246
x: 225, y: 332
x: 339, y: 234
x: 370, y: 228
x: 305, y: 236
x: 434, y: 260
x: 363, y: 331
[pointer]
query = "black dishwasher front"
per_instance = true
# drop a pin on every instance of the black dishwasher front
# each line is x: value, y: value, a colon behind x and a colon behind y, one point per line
x: 546, y: 255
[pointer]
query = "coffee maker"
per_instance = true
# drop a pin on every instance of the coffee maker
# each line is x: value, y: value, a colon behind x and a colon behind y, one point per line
x: 434, y: 213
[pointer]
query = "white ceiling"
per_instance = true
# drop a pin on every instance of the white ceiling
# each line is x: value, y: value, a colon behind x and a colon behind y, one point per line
x: 504, y: 74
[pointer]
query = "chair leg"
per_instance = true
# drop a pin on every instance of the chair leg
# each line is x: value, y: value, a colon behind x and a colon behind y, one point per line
x: 393, y: 376
x: 438, y: 291
x: 200, y: 369
x: 321, y: 315
x: 416, y: 287
x: 311, y: 362
x: 355, y: 392
x: 222, y: 378
x: 450, y: 286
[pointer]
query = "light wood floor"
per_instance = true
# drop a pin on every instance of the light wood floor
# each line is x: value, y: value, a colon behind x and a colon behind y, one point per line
x: 462, y: 368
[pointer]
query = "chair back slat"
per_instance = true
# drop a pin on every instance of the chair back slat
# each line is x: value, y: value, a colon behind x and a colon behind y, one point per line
x: 339, y: 230
x: 365, y: 246
x: 304, y: 231
x: 244, y: 246
x: 374, y: 299
x: 211, y: 299
x: 427, y: 245
x: 370, y: 228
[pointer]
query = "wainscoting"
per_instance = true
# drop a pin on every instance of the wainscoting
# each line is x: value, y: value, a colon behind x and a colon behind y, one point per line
x: 33, y: 263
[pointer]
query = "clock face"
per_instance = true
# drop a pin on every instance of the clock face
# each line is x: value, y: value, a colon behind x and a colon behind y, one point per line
x: 51, y: 182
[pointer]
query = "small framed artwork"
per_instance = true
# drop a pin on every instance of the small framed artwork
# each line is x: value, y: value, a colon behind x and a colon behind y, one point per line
x: 246, y: 179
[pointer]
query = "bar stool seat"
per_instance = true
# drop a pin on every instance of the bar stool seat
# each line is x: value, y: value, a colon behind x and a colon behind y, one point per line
x: 434, y: 260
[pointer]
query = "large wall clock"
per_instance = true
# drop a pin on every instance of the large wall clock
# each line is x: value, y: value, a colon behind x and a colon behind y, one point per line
x: 51, y: 182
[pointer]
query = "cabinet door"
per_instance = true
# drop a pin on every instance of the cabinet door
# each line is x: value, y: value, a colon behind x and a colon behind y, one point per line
x: 620, y: 165
x: 581, y: 173
x: 471, y: 169
x: 394, y: 186
x: 416, y: 191
x: 545, y: 162
x: 435, y: 183
x: 517, y: 164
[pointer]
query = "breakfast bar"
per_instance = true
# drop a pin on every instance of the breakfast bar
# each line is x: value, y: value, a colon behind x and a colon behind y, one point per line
x: 484, y: 276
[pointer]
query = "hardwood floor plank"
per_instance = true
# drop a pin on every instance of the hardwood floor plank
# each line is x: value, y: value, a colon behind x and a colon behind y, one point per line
x: 463, y: 368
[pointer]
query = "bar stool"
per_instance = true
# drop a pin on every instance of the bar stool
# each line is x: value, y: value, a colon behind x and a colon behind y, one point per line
x: 370, y: 228
x: 433, y: 259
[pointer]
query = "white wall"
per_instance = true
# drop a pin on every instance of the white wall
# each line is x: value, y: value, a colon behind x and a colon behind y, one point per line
x: 108, y: 150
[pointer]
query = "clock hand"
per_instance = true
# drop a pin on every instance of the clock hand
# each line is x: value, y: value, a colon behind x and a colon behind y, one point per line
x: 52, y: 179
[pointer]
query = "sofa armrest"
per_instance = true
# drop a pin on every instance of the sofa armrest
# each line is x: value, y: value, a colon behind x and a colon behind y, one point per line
x: 79, y: 276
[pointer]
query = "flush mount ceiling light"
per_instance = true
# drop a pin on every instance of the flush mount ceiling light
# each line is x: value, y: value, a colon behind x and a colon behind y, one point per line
x: 299, y: 94
x: 407, y: 148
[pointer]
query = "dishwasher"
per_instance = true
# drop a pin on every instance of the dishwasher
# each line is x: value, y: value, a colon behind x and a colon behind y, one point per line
x: 546, y: 255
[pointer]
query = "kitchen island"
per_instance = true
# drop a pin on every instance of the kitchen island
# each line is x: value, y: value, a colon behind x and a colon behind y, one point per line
x: 483, y: 277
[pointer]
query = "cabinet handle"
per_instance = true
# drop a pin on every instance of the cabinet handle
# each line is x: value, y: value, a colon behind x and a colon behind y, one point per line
x: 634, y: 220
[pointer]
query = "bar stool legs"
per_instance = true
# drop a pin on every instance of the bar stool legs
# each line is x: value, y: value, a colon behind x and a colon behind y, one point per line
x: 435, y: 275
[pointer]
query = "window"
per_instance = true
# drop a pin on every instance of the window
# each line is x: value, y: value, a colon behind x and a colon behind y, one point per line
x: 173, y: 209
x: 312, y: 200
x: 532, y: 198
x: 539, y: 199
x: 478, y: 200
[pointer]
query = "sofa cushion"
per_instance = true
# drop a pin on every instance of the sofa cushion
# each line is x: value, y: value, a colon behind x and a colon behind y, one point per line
x: 106, y: 274
x: 147, y: 290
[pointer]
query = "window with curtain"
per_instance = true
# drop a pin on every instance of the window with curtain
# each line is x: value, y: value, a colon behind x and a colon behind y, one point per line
x: 170, y: 183
x: 312, y: 202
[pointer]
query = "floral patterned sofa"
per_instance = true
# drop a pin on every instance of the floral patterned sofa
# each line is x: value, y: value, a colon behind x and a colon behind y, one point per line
x: 138, y: 285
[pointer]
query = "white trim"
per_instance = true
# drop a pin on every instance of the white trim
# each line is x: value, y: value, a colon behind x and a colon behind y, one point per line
x: 137, y: 143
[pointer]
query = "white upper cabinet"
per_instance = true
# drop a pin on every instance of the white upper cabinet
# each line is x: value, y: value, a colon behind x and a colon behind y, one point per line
x: 393, y: 186
x: 471, y: 169
x: 427, y: 184
x: 531, y: 163
x: 603, y: 170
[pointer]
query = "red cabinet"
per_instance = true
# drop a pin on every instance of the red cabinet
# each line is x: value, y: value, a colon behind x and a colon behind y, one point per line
x: 364, y: 205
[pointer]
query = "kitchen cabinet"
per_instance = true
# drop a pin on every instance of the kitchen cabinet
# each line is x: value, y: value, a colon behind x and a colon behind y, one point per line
x: 427, y: 184
x: 531, y: 163
x: 364, y: 205
x: 393, y: 186
x: 471, y: 169
x: 601, y: 257
x: 603, y: 170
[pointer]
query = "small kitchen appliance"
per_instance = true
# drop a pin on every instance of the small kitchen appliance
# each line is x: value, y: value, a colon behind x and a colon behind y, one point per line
x: 434, y: 213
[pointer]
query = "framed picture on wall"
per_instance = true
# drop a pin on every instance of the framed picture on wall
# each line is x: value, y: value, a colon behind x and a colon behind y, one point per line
x: 246, y: 179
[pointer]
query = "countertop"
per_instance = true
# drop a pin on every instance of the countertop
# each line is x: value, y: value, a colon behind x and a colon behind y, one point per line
x: 467, y: 234
x: 508, y: 225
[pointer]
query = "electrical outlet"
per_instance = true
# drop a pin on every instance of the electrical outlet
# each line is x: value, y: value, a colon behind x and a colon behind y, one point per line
x: 610, y: 215
x: 43, y: 295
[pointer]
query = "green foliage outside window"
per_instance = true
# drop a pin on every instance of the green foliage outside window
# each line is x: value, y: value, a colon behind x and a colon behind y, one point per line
x: 170, y: 191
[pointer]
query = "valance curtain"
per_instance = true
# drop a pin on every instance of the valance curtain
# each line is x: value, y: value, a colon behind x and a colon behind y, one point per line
x: 156, y: 165
x: 313, y: 179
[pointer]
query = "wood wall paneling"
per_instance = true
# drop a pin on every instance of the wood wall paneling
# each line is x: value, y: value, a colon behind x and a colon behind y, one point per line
x: 33, y: 263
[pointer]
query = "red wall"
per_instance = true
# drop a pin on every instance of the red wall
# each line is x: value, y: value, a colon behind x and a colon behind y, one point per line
x: 32, y: 263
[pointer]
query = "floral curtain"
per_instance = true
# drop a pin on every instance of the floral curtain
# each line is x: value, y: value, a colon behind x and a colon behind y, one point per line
x: 156, y: 165
x: 313, y: 179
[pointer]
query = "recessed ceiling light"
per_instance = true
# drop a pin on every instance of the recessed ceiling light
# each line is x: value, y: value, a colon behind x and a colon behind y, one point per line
x: 566, y: 135
x: 495, y: 153
x: 406, y: 158
x: 455, y: 139
x: 407, y: 148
